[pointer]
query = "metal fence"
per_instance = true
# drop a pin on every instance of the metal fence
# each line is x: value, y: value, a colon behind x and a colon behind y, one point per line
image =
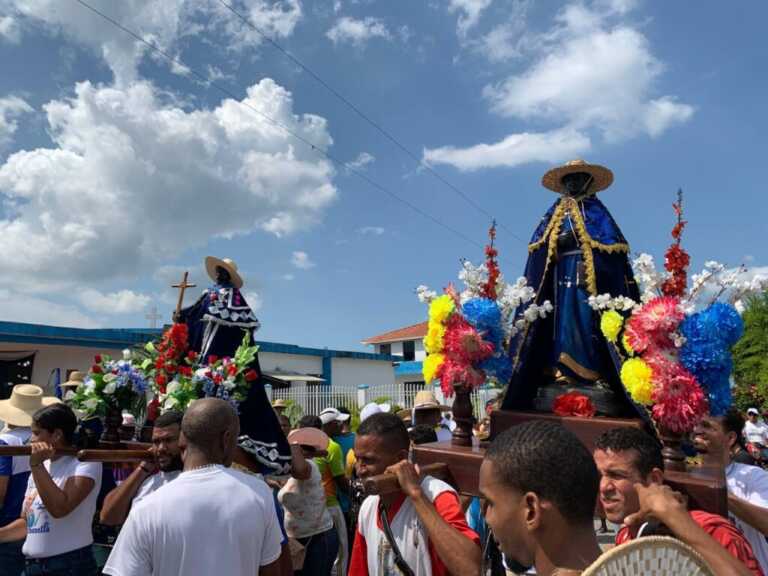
x: 313, y: 398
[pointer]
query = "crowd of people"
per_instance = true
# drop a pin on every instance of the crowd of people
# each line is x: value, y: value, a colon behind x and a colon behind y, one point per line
x: 191, y: 511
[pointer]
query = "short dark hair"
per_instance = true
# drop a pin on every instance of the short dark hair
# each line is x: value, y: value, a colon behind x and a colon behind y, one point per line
x: 169, y: 419
x: 388, y: 426
x: 624, y: 439
x: 733, y: 421
x: 422, y: 434
x: 57, y: 416
x: 311, y: 421
x: 545, y: 458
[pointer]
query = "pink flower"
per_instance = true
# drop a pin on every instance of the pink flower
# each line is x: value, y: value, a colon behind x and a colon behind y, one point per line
x: 464, y: 343
x: 679, y: 401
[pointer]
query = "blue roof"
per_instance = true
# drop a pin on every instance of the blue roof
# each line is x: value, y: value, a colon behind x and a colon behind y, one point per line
x: 114, y: 338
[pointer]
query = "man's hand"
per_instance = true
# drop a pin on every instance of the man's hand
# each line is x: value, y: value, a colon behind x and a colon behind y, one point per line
x: 657, y: 501
x: 41, y: 451
x: 408, y: 478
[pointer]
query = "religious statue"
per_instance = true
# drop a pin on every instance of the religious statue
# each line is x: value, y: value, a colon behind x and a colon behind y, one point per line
x: 577, y: 251
x: 217, y: 323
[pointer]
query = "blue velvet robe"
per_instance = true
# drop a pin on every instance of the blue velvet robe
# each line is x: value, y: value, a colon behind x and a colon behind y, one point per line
x: 569, y: 340
x: 216, y: 323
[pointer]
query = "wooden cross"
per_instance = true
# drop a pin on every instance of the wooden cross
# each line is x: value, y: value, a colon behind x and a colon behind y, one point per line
x: 182, y: 287
x: 153, y: 317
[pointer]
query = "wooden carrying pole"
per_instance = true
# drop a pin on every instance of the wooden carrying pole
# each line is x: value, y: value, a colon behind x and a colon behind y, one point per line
x: 85, y: 455
x: 387, y: 483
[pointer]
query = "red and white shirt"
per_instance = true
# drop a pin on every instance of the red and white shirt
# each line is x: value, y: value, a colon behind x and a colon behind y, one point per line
x: 372, y: 554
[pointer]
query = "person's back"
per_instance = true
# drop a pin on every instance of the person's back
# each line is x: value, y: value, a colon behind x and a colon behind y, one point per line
x: 212, y: 520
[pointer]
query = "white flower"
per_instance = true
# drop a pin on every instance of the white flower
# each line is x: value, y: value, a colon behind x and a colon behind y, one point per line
x: 170, y: 402
x: 127, y: 354
x: 109, y: 377
x: 424, y: 294
x: 110, y: 388
x: 678, y: 339
x: 173, y: 385
x: 739, y: 305
x: 90, y: 384
x: 229, y: 384
x: 91, y: 404
x: 69, y: 395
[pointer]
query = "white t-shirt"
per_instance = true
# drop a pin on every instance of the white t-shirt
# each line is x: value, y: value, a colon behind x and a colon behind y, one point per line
x: 49, y: 536
x: 209, y: 521
x: 153, y: 483
x: 17, y: 437
x: 750, y: 483
x: 409, y: 533
x: 304, y: 504
x: 756, y: 432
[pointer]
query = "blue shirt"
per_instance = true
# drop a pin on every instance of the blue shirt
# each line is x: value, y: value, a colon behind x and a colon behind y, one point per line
x: 17, y: 471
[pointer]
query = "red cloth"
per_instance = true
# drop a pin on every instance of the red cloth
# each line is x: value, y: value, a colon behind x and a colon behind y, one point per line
x: 447, y: 505
x: 726, y: 534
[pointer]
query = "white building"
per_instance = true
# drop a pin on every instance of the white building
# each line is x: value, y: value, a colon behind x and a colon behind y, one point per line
x: 40, y: 354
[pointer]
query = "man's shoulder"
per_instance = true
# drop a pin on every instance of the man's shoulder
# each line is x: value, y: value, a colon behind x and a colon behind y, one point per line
x: 433, y: 487
x: 746, y: 472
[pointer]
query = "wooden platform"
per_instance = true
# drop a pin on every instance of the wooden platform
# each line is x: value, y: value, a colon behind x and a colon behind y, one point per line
x: 705, y: 486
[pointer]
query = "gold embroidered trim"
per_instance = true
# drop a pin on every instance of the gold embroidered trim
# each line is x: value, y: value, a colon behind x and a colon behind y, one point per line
x: 556, y: 219
x: 568, y: 361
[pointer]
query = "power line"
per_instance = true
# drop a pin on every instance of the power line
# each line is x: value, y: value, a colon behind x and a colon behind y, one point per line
x: 274, y: 122
x: 378, y: 127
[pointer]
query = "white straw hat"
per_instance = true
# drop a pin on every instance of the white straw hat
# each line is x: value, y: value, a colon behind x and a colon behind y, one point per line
x: 25, y: 400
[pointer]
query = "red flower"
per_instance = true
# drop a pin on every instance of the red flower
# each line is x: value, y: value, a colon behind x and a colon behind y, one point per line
x: 251, y: 375
x: 574, y: 404
x: 161, y: 380
x: 192, y: 355
x: 217, y: 379
x: 212, y: 359
x: 185, y: 371
x: 96, y: 369
x: 232, y: 370
x: 97, y: 358
x: 170, y: 368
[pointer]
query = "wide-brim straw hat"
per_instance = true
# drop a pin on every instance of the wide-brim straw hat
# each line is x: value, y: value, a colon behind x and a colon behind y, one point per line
x: 25, y: 400
x: 211, y: 262
x: 426, y: 400
x: 280, y: 403
x: 602, y: 176
x: 75, y: 379
x: 312, y: 437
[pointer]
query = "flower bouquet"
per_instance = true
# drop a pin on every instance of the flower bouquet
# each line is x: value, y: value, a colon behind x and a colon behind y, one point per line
x: 110, y: 387
x: 469, y: 332
x: 675, y: 345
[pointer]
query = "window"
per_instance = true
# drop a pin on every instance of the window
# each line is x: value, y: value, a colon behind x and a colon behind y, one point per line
x: 14, y: 369
x: 385, y: 348
x: 409, y: 350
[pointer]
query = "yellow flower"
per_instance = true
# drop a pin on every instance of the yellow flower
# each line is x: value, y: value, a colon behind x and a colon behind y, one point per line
x: 433, y: 342
x: 610, y: 324
x: 636, y: 376
x: 431, y: 365
x: 627, y: 345
x: 440, y: 308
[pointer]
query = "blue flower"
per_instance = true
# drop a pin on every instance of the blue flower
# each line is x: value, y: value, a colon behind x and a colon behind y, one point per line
x: 485, y: 316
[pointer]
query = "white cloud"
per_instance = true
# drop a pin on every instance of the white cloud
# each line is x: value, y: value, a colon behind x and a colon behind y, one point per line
x: 9, y: 29
x: 18, y: 307
x: 371, y: 230
x: 132, y: 182
x: 254, y: 300
x: 362, y: 160
x: 121, y: 302
x: 514, y: 150
x: 10, y: 108
x: 301, y: 260
x: 357, y: 32
x: 469, y: 13
x: 592, y: 72
x: 162, y: 23
x: 288, y: 277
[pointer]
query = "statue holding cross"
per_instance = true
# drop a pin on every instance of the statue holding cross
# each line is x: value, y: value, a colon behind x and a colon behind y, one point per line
x: 217, y: 323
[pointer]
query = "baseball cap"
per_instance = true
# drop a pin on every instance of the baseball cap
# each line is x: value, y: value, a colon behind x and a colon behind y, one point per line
x: 373, y: 408
x: 753, y: 411
x: 332, y: 415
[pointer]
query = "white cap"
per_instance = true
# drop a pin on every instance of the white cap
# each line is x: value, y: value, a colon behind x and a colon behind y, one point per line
x: 753, y: 411
x: 373, y: 408
x: 332, y: 415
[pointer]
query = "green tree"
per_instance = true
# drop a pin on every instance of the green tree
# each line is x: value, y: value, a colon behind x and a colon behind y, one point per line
x: 750, y: 356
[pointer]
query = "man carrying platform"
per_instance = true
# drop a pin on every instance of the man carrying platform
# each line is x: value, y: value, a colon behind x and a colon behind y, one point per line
x: 632, y: 493
x: 148, y: 476
x: 420, y: 530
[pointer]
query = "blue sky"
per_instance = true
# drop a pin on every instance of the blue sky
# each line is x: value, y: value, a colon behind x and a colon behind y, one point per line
x: 119, y: 170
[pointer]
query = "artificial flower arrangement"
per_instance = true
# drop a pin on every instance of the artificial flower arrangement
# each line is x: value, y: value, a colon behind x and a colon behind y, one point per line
x: 675, y: 345
x: 165, y: 375
x: 110, y: 385
x: 468, y: 334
